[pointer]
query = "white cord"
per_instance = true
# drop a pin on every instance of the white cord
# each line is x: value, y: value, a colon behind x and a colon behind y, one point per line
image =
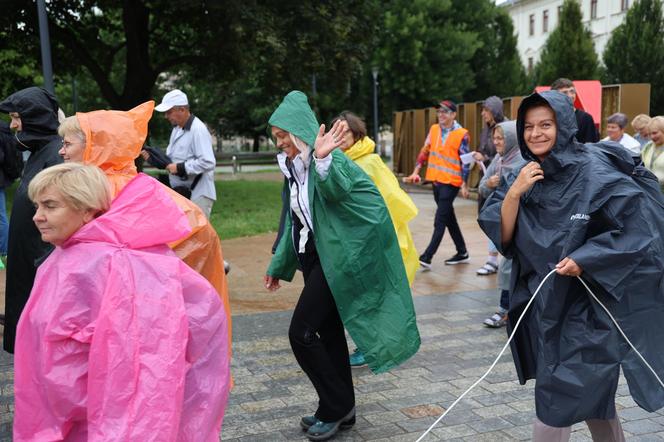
x: 512, y: 336
x: 621, y: 331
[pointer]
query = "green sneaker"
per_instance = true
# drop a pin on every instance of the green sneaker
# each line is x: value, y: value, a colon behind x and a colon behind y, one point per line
x: 357, y: 359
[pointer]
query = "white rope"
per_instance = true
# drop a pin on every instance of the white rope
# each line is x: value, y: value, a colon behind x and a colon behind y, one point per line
x: 512, y: 336
x: 621, y: 331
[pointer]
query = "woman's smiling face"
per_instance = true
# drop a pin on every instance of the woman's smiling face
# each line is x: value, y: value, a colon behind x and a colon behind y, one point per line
x: 540, y: 130
x: 284, y: 142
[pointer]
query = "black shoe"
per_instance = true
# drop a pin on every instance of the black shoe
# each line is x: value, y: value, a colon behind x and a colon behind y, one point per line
x: 308, y: 421
x: 425, y: 262
x: 457, y: 259
x: 325, y: 430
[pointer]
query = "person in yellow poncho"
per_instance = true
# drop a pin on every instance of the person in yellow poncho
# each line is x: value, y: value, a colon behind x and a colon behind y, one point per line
x: 360, y: 148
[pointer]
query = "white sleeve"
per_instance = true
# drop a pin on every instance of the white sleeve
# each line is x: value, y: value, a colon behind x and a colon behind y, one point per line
x: 323, y: 165
x: 203, y: 159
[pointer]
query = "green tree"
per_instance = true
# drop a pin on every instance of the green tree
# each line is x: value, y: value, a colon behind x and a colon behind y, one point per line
x: 496, y: 64
x: 635, y: 51
x: 569, y: 51
x: 235, y: 58
x: 125, y: 46
x: 424, y: 53
x: 295, y: 42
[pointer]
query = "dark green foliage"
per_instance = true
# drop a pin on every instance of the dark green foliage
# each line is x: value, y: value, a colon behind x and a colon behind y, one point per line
x: 569, y: 51
x: 424, y: 53
x: 496, y: 65
x: 236, y: 59
x: 635, y: 51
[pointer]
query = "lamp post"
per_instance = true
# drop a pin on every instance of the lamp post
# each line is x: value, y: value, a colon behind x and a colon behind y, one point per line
x: 374, y: 73
x: 45, y: 41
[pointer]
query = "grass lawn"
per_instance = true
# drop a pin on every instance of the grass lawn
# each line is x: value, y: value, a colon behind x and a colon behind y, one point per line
x: 243, y: 208
x: 246, y: 208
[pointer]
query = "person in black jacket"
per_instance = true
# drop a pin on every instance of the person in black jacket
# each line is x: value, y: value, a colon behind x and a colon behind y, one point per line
x: 34, y: 115
x: 6, y: 144
x: 586, y: 129
x: 590, y: 211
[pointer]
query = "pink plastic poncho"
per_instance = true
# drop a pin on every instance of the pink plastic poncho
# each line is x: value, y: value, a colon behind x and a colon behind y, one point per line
x: 121, y: 340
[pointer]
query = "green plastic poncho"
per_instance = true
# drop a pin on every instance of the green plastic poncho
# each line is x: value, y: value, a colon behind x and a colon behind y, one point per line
x: 357, y: 247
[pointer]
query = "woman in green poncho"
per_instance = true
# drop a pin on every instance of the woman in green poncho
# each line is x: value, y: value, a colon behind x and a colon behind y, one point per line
x: 339, y: 233
x: 360, y: 148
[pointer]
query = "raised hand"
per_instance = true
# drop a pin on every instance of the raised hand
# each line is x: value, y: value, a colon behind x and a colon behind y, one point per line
x: 529, y: 175
x: 327, y: 142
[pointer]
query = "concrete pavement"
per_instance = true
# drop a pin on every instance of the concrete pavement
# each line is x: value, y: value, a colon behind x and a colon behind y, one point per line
x: 272, y: 393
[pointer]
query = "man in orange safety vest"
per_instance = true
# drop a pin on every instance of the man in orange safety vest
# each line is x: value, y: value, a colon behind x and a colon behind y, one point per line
x: 442, y: 151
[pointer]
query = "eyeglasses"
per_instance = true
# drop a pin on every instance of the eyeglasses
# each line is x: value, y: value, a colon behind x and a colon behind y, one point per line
x: 66, y: 144
x: 443, y: 111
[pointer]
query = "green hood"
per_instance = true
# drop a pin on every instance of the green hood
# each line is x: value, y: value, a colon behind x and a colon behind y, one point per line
x: 295, y: 116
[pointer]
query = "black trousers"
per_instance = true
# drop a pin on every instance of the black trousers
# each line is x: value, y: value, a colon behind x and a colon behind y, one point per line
x: 318, y: 341
x: 444, y: 195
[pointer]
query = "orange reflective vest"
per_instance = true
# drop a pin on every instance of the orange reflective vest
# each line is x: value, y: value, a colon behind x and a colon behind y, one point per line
x: 444, y: 164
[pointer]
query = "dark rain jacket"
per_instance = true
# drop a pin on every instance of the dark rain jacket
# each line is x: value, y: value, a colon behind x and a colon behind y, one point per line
x: 486, y: 147
x: 596, y: 207
x: 587, y: 131
x: 6, y: 137
x: 38, y: 110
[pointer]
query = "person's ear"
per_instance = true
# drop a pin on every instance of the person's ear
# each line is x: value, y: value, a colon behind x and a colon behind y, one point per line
x: 89, y: 215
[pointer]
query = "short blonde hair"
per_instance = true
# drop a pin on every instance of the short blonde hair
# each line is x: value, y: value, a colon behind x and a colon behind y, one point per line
x: 656, y: 123
x: 640, y: 121
x: 83, y: 187
x: 71, y: 126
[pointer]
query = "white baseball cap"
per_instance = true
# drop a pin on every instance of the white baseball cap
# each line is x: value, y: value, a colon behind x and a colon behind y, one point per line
x: 174, y: 98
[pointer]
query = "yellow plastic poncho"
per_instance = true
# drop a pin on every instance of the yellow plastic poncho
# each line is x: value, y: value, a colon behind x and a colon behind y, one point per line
x: 401, y: 207
x: 114, y: 139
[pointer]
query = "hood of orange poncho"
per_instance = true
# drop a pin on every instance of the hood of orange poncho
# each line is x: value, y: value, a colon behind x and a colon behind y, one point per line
x: 114, y: 139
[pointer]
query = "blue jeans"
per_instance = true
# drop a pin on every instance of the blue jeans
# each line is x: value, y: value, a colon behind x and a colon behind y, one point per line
x: 4, y: 225
x: 505, y: 299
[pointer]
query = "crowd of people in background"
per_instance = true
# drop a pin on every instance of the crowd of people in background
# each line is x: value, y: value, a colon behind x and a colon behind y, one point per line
x: 97, y: 254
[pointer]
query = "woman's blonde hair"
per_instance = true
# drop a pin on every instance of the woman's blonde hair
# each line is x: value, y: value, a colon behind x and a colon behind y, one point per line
x: 71, y: 126
x: 83, y: 187
x: 656, y: 123
x: 640, y: 121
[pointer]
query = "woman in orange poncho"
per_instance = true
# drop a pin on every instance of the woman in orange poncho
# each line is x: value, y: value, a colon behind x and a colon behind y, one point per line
x: 112, y: 140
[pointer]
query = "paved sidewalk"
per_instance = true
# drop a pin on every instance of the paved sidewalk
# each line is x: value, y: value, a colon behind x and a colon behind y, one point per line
x: 272, y: 393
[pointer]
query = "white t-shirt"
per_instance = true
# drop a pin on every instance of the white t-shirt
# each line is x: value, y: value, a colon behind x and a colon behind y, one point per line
x: 629, y: 143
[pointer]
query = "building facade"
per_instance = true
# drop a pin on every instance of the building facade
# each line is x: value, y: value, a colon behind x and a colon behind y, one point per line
x: 535, y: 19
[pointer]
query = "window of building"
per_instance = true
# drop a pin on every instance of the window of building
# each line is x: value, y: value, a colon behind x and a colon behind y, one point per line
x: 593, y: 9
x: 532, y: 25
x: 545, y: 21
x: 624, y: 5
x: 530, y: 64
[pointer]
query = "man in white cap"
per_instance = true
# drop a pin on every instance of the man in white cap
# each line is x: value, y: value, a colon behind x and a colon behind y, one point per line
x: 190, y: 150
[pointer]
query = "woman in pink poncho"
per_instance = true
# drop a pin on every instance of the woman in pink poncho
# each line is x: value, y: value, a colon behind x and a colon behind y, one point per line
x: 120, y: 340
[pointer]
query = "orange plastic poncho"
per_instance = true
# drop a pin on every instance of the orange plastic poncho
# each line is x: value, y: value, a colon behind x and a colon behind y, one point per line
x: 114, y: 139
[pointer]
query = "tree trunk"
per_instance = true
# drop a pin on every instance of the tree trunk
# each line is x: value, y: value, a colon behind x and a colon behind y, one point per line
x: 257, y: 146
